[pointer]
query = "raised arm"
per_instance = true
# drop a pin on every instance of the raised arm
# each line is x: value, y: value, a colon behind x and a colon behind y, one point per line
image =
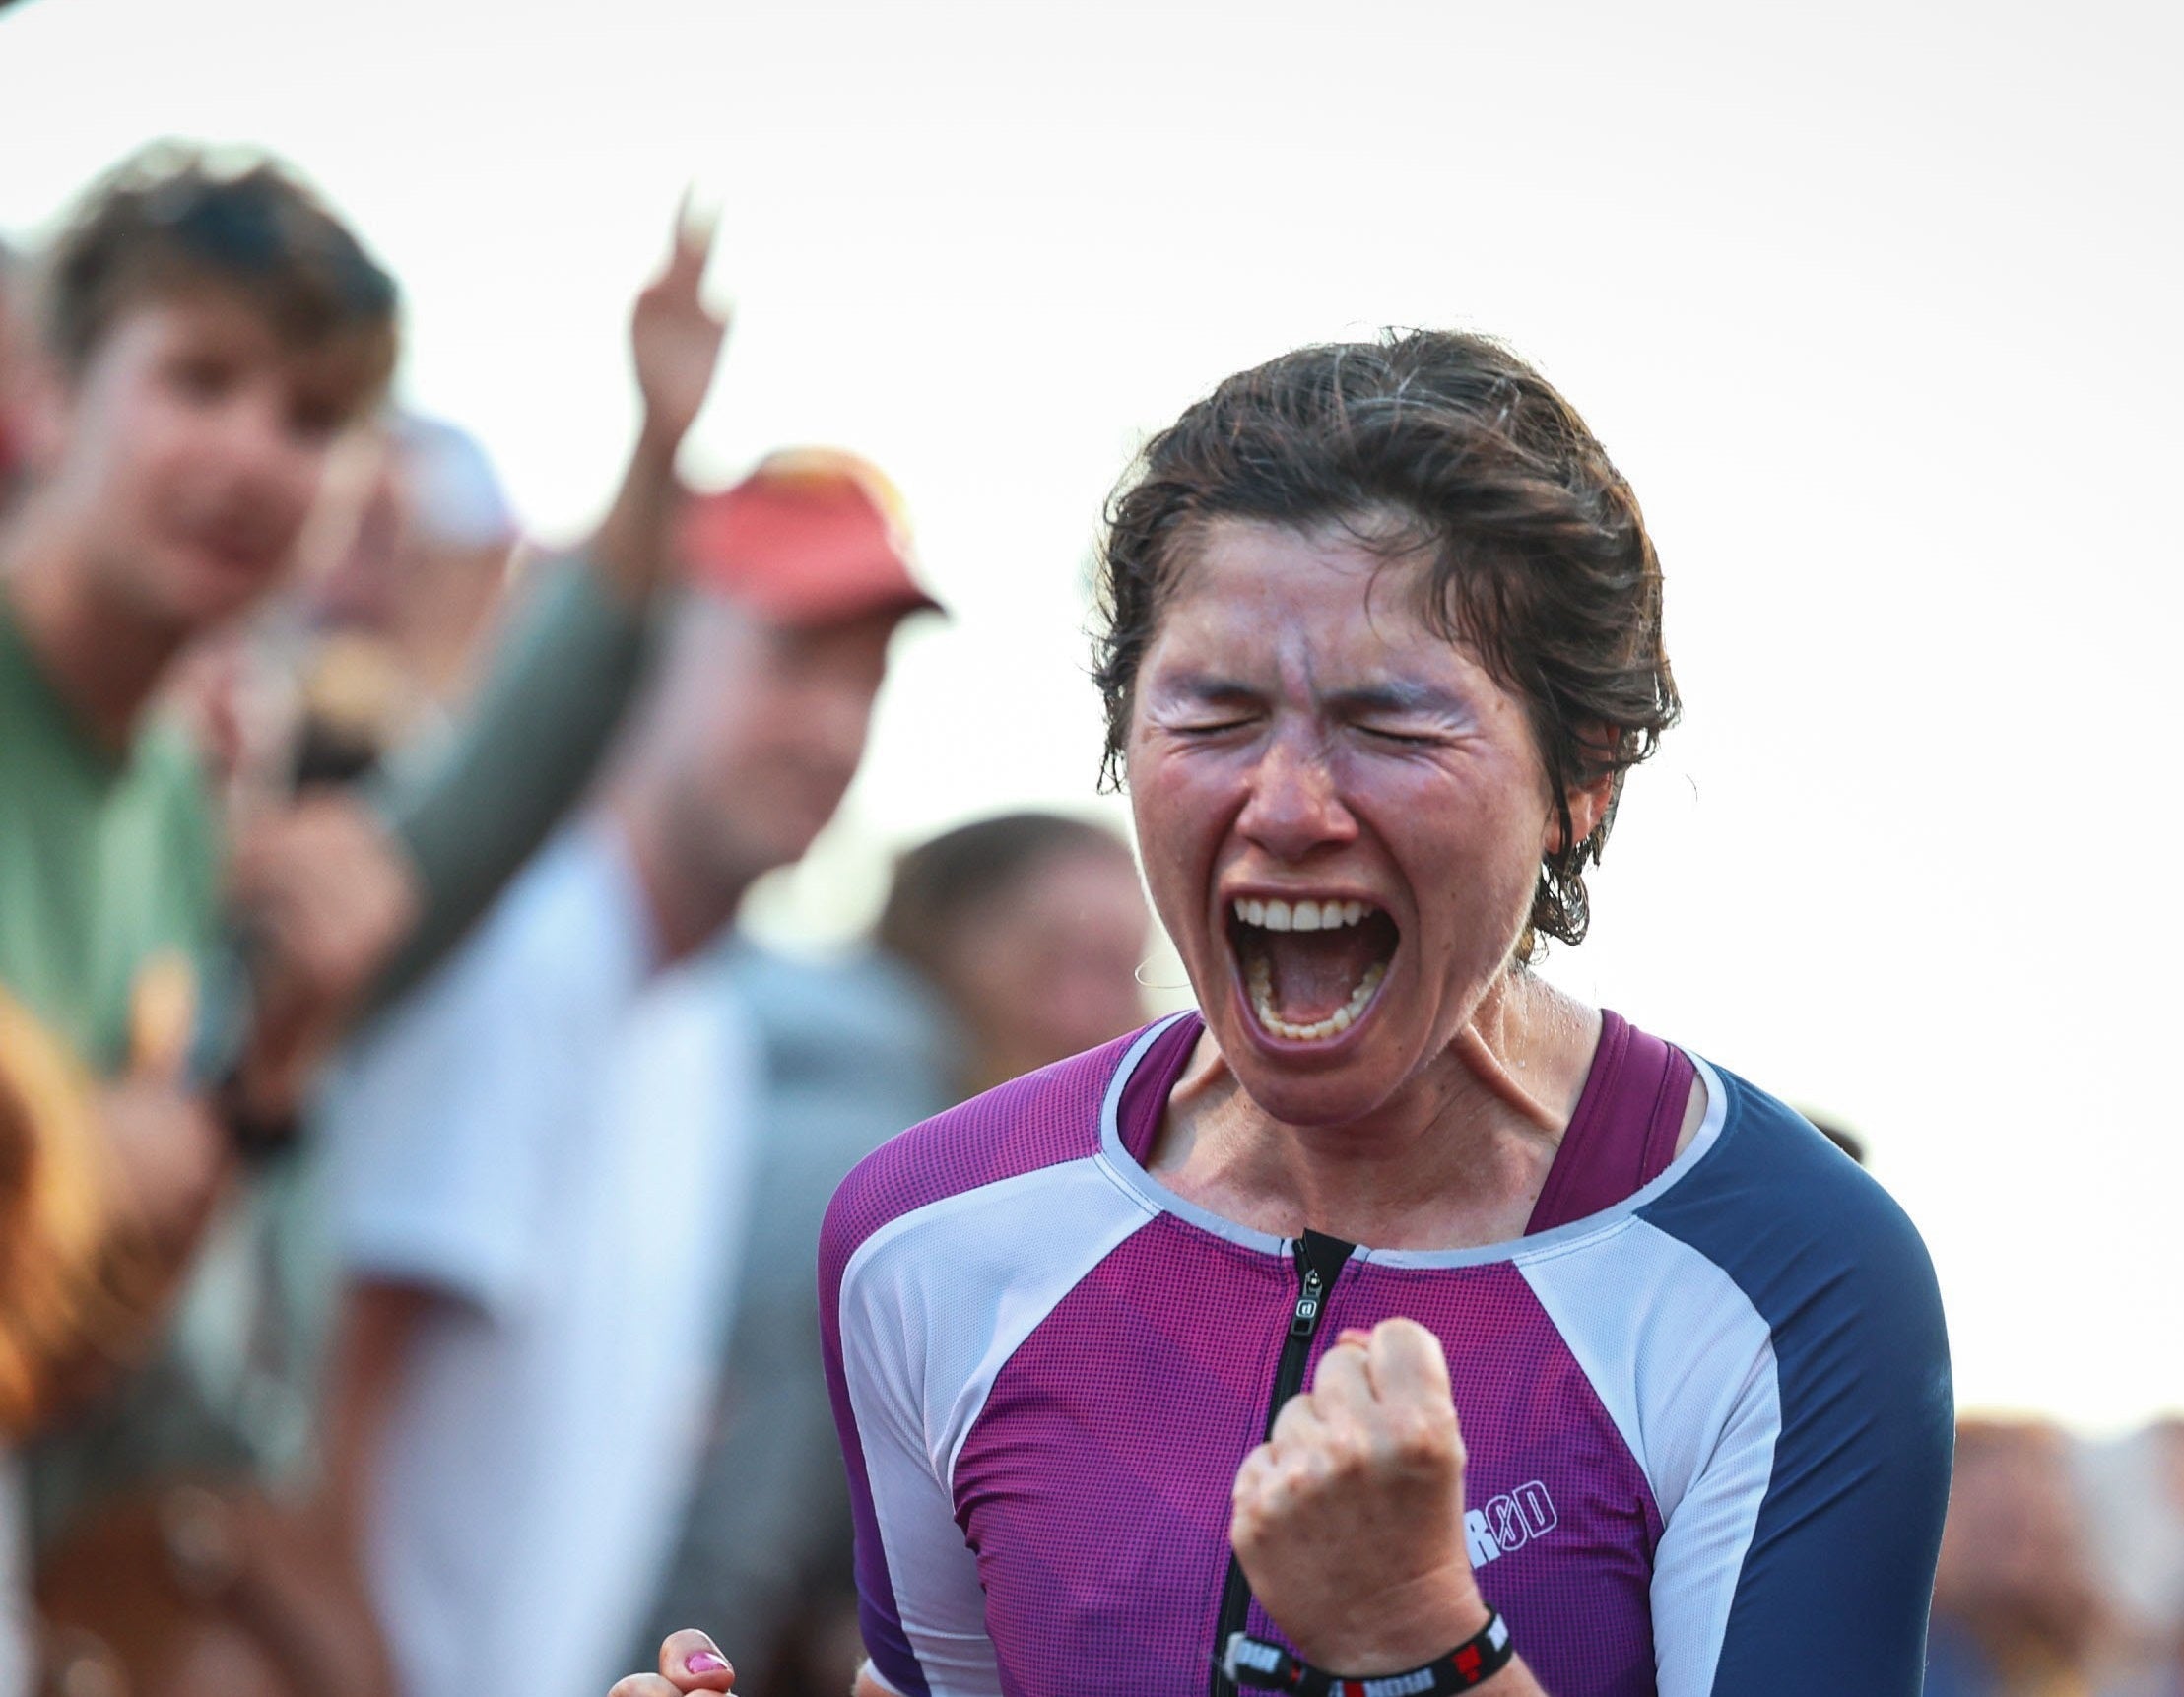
x: 479, y: 807
x: 350, y: 899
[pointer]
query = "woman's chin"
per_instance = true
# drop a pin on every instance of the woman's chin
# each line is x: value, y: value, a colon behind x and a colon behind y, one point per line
x: 1318, y: 1081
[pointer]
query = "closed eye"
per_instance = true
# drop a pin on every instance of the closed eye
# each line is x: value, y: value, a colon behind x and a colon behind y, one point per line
x: 1211, y: 727
x: 1401, y: 738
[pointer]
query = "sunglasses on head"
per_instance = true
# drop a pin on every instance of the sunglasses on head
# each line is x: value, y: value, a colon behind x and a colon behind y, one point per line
x: 239, y: 224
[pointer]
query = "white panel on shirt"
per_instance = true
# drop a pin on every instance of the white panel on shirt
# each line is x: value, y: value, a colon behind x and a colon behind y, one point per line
x: 1685, y: 1366
x: 933, y: 1305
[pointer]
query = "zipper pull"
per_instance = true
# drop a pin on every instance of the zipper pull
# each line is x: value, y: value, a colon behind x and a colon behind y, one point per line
x: 1305, y: 1320
x: 1314, y: 1251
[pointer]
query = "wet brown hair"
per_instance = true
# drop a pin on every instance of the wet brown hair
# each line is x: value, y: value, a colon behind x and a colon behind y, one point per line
x: 1448, y: 450
x: 169, y: 222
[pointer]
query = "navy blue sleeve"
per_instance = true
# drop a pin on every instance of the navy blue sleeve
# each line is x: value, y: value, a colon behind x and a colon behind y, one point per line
x: 1834, y: 1590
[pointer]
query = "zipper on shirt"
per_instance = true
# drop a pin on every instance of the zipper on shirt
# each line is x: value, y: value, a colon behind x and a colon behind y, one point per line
x: 1319, y: 1259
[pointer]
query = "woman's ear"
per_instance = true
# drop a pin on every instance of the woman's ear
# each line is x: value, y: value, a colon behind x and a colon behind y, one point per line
x: 1588, y: 802
x: 1588, y: 805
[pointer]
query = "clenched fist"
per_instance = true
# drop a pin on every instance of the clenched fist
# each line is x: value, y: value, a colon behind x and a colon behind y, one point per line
x: 1348, y: 1521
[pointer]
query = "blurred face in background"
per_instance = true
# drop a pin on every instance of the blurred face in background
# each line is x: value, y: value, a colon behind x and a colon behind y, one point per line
x: 415, y: 545
x: 2014, y: 1564
x: 352, y: 556
x: 762, y: 728
x: 1047, y: 967
x: 187, y: 452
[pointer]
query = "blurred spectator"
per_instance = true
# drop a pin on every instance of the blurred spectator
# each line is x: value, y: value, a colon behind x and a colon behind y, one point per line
x: 377, y: 645
x: 2017, y: 1604
x: 179, y: 421
x: 1032, y: 926
x: 2134, y: 1490
x: 529, y: 1346
x: 407, y: 601
x: 179, y: 424
x: 206, y: 337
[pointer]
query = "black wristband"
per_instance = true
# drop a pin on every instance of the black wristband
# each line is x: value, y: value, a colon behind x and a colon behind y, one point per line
x: 1248, y: 1660
x: 256, y: 1137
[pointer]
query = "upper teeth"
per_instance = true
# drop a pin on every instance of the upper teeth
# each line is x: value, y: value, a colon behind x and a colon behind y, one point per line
x: 1307, y: 915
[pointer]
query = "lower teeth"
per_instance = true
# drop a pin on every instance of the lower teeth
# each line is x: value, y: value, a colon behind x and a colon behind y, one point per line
x: 1262, y: 1003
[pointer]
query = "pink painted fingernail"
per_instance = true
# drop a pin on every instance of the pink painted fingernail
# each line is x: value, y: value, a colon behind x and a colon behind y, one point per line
x: 704, y: 1662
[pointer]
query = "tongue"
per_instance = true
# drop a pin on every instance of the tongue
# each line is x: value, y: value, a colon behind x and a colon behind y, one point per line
x: 1316, y: 972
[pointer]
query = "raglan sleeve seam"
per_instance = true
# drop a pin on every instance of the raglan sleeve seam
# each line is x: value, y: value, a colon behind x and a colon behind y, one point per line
x: 1843, y: 1538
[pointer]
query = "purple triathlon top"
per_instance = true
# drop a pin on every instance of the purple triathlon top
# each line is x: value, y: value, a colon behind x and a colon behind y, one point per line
x: 1705, y: 1398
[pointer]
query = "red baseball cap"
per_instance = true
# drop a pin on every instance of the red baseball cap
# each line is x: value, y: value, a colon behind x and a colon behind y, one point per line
x: 814, y: 535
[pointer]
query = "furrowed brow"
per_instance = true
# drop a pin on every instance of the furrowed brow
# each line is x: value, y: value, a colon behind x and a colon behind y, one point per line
x: 1210, y: 688
x: 1399, y: 696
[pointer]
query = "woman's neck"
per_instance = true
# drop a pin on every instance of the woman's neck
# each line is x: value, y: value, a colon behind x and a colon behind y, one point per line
x: 104, y: 657
x: 1454, y: 1159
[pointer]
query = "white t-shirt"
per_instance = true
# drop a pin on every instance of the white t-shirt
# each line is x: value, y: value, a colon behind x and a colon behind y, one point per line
x: 560, y: 1141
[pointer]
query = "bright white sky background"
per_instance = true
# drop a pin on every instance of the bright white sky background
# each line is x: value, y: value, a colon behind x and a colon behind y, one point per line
x: 1876, y: 304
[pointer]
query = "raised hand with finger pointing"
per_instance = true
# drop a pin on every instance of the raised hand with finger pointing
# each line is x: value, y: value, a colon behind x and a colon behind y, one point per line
x: 676, y: 336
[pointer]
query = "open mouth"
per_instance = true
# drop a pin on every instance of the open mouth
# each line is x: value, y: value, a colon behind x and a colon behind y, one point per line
x: 1311, y: 968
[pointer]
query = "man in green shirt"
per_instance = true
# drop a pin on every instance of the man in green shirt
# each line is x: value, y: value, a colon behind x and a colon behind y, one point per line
x: 108, y: 855
x: 207, y: 337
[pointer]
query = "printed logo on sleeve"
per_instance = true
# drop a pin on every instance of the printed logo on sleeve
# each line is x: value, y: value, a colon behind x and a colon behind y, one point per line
x: 1509, y: 1522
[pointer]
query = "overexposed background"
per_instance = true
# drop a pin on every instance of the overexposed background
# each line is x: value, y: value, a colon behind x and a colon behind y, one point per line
x: 1876, y: 304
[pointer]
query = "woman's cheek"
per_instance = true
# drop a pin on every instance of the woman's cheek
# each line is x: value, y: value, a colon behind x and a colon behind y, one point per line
x: 1177, y: 863
x: 1154, y: 797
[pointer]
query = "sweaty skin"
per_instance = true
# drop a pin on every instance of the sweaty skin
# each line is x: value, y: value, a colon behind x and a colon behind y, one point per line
x: 1300, y: 730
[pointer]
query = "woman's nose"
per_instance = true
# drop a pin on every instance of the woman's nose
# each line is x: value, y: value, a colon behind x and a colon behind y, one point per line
x: 1294, y: 805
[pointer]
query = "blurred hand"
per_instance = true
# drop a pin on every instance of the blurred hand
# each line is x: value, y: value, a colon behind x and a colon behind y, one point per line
x: 689, y: 1662
x: 1348, y: 1521
x: 110, y: 1186
x: 329, y: 897
x: 676, y: 339
x: 676, y: 336
x: 170, y: 1152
